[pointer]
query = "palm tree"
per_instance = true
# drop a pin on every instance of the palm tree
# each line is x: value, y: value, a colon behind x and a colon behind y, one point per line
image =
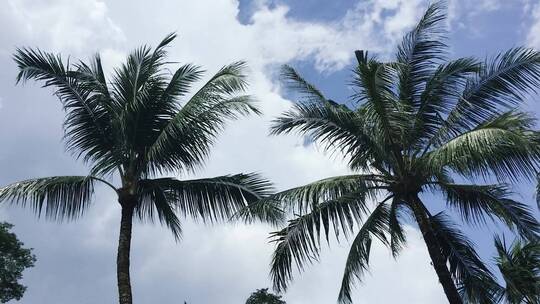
x: 138, y: 126
x: 520, y: 268
x: 419, y: 123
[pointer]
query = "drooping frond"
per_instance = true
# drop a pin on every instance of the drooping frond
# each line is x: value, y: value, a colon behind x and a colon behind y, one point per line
x: 476, y: 202
x: 266, y: 210
x: 302, y: 199
x: 157, y: 202
x: 185, y: 141
x: 57, y: 197
x: 212, y: 199
x: 376, y: 225
x: 475, y: 281
x: 397, y: 237
x: 520, y: 268
x: 299, y: 242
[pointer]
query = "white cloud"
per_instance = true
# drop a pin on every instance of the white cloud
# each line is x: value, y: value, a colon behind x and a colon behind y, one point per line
x: 63, y: 24
x: 217, y: 264
x: 533, y: 36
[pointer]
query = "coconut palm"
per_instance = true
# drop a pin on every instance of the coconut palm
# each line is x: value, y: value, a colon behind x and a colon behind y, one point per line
x: 135, y: 128
x: 420, y: 123
x: 520, y: 268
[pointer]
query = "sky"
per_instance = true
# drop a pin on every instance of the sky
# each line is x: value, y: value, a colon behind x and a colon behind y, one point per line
x: 221, y: 264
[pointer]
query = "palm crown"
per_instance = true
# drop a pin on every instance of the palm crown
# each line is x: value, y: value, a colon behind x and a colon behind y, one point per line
x: 418, y: 123
x: 139, y: 125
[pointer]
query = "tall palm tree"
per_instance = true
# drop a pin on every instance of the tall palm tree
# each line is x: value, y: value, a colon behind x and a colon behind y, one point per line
x: 139, y: 125
x: 417, y: 124
x: 520, y: 268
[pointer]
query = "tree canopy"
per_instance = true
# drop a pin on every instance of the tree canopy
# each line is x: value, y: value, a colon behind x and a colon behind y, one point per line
x: 14, y: 259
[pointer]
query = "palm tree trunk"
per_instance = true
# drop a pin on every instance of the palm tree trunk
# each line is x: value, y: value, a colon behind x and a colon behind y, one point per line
x: 434, y: 249
x: 122, y: 260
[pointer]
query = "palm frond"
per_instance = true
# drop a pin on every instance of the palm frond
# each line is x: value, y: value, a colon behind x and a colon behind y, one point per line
x: 142, y: 65
x: 308, y: 92
x: 335, y: 126
x: 88, y: 128
x: 184, y: 141
x: 266, y: 210
x: 213, y: 199
x: 441, y: 91
x: 501, y: 85
x: 476, y: 202
x: 503, y: 145
x: 159, y: 105
x: 376, y: 225
x: 381, y: 114
x: 58, y: 197
x: 302, y: 199
x: 299, y: 242
x: 520, y: 268
x: 156, y: 201
x: 475, y: 281
x: 395, y: 227
x: 538, y: 192
x: 419, y: 52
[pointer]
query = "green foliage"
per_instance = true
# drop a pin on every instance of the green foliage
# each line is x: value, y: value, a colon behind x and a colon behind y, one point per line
x: 142, y: 123
x: 414, y: 123
x: 262, y: 296
x: 14, y: 259
x: 520, y: 268
x: 65, y: 196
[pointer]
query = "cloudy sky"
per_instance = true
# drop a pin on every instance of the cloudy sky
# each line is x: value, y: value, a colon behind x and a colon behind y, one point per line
x: 76, y: 261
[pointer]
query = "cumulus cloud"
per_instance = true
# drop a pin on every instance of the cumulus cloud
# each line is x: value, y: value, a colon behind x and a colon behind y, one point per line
x: 211, y: 264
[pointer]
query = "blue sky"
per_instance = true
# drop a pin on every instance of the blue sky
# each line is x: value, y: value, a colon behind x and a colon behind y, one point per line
x: 224, y: 263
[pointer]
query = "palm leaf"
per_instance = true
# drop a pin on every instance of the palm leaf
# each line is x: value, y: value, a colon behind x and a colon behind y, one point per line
x: 293, y: 81
x: 376, y: 225
x: 88, y: 128
x: 476, y: 202
x: 302, y: 199
x: 501, y: 85
x: 419, y: 51
x: 395, y: 227
x: 441, y: 91
x: 504, y: 145
x: 520, y: 268
x: 213, y: 199
x: 154, y: 201
x: 58, y: 197
x: 184, y: 141
x: 299, y: 242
